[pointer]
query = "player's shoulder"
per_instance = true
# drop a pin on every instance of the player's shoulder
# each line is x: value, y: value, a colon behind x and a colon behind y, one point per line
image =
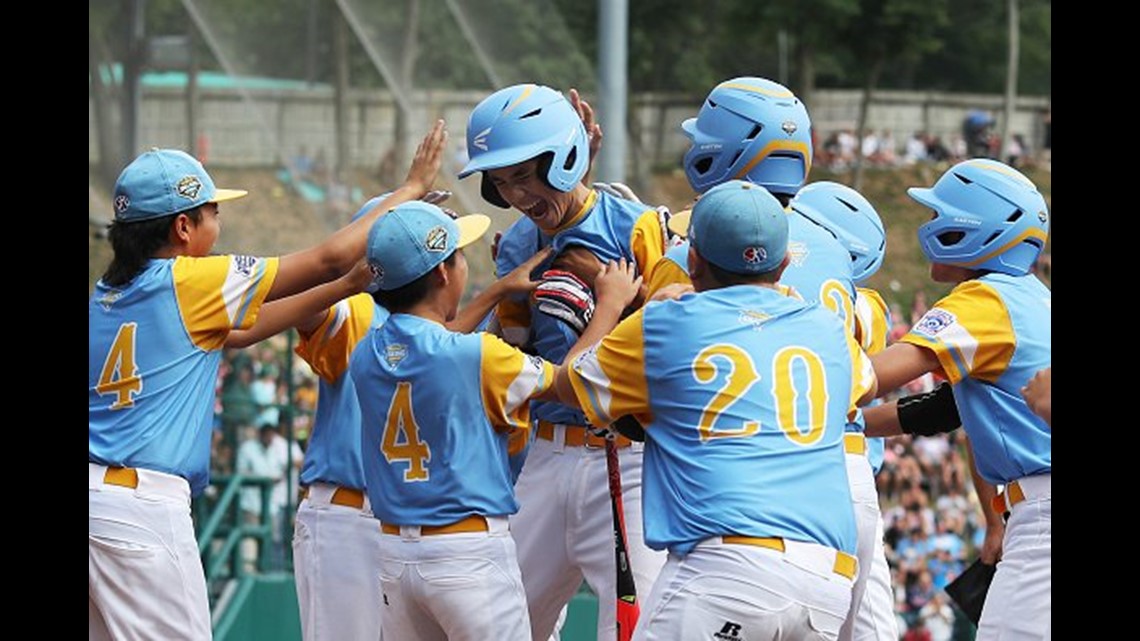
x: 620, y: 206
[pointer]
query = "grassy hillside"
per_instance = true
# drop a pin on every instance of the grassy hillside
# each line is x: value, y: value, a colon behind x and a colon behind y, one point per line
x: 273, y: 220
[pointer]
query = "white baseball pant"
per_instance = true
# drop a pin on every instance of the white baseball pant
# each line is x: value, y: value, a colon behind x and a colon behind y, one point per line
x: 735, y: 591
x: 1019, y: 602
x: 868, y: 522
x: 336, y: 560
x: 452, y: 587
x: 144, y: 574
x: 564, y: 530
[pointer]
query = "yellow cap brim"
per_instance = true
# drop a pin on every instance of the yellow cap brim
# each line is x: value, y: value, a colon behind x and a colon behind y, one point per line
x: 679, y: 222
x: 222, y: 195
x: 471, y: 228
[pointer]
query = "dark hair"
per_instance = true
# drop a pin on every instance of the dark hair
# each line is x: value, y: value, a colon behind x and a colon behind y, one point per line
x: 726, y: 278
x: 134, y: 243
x: 402, y: 298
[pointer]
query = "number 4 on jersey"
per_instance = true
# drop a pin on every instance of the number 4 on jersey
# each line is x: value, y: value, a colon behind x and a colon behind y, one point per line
x: 119, y: 375
x: 402, y: 436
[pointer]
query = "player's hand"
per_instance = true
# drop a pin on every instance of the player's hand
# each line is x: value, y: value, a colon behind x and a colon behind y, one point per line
x: 428, y: 158
x: 593, y: 129
x: 616, y: 284
x: 519, y: 280
x: 1038, y: 394
x: 618, y: 190
x: 672, y: 291
x: 992, y: 544
x: 436, y: 196
x: 359, y: 278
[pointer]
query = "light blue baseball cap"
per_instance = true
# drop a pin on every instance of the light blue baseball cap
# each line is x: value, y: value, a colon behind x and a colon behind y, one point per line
x: 740, y: 227
x: 163, y: 182
x: 412, y: 238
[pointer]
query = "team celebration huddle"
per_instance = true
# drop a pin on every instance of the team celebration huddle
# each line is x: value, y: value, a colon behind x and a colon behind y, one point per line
x: 681, y: 409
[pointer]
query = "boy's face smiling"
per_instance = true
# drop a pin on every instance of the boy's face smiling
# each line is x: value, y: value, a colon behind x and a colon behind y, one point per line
x: 525, y: 190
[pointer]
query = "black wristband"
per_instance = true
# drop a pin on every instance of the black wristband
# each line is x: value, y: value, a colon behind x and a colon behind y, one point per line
x: 934, y: 412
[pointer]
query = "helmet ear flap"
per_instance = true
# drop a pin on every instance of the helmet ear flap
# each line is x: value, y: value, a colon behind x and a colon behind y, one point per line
x: 491, y: 194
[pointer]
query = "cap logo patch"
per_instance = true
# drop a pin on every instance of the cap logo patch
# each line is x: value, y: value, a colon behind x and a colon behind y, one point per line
x: 789, y: 127
x: 188, y: 187
x: 377, y: 271
x: 754, y: 255
x: 395, y: 353
x: 121, y: 203
x: 933, y: 322
x: 436, y: 240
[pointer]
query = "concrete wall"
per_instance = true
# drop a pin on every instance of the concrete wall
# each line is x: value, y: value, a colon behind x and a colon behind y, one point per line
x: 262, y: 128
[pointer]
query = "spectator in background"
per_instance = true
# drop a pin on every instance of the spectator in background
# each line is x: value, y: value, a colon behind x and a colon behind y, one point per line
x: 263, y: 391
x: 938, y: 617
x: 255, y: 457
x: 915, y: 151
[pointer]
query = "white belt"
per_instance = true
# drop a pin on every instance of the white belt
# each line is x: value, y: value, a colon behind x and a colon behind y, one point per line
x: 139, y: 481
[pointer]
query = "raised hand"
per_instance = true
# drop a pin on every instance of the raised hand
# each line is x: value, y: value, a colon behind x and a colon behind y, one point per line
x: 427, y: 161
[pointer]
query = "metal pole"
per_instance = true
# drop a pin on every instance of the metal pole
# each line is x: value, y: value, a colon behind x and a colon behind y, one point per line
x: 613, y: 30
x: 132, y: 85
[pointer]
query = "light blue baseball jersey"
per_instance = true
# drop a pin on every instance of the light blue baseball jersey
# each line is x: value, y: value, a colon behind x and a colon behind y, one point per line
x: 437, y: 408
x: 333, y: 452
x: 991, y: 335
x: 611, y: 228
x: 154, y: 348
x: 743, y: 392
x: 819, y: 268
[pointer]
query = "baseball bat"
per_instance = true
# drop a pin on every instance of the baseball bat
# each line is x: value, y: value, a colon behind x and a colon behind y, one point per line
x: 626, y: 603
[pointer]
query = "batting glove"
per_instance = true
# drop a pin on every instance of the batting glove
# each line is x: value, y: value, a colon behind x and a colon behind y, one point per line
x: 566, y: 297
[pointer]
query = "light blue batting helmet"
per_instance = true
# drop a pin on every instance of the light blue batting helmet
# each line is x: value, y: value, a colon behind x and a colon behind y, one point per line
x: 750, y: 129
x: 987, y: 216
x: 522, y: 122
x: 849, y: 217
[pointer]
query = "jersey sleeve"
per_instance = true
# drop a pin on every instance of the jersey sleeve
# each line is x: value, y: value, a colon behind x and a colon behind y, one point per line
x: 970, y: 331
x: 647, y: 241
x: 509, y: 380
x: 665, y: 272
x: 872, y: 320
x: 217, y: 294
x: 609, y: 378
x: 328, y: 347
x: 862, y: 373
